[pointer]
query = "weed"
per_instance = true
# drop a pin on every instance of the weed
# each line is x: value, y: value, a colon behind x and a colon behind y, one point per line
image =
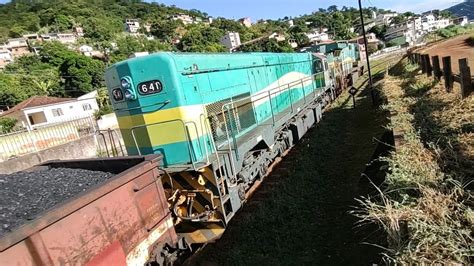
x: 425, y: 206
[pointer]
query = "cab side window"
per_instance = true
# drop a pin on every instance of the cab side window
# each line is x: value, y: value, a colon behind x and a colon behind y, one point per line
x: 317, y: 67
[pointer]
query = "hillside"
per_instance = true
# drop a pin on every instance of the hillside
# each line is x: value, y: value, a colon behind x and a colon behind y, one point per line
x: 61, y: 69
x: 463, y: 9
x: 102, y: 19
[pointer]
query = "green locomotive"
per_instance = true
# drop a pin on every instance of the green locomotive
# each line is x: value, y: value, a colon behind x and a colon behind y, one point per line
x: 220, y: 120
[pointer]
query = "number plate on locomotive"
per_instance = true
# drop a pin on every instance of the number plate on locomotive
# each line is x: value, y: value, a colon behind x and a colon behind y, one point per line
x: 150, y: 87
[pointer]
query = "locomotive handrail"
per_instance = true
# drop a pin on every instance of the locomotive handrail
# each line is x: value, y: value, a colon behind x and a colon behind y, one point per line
x: 198, y: 139
x: 163, y: 104
x: 265, y: 94
x: 210, y: 70
x: 226, y: 108
x: 188, y: 139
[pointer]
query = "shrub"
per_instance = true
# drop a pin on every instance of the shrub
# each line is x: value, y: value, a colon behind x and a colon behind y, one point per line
x: 103, y: 110
x: 7, y: 124
x: 470, y: 40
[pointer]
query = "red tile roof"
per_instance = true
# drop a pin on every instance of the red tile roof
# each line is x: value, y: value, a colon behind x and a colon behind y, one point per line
x: 36, y: 101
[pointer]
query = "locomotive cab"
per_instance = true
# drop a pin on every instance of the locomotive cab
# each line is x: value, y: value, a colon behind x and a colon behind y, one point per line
x: 149, y: 104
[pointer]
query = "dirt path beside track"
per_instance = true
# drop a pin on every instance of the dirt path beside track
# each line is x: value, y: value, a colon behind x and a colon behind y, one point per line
x: 456, y: 47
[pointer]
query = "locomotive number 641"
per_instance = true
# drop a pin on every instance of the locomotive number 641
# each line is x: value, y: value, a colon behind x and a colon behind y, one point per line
x: 150, y: 87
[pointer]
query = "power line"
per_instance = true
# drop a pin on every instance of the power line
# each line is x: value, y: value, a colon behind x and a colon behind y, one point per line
x: 29, y: 74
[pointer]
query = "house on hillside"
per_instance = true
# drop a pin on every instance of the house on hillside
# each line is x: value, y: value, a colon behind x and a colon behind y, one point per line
x: 6, y: 57
x: 186, y: 19
x: 461, y: 21
x: 384, y: 19
x: 18, y: 47
x: 78, y: 31
x: 247, y: 22
x: 31, y: 37
x: 86, y: 50
x: 43, y: 110
x: 316, y: 36
x: 66, y: 37
x: 230, y: 40
x: 47, y: 37
x: 277, y: 36
x: 132, y: 25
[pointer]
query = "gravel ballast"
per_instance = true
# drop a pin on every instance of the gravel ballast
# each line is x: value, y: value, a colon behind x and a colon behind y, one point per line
x: 24, y: 195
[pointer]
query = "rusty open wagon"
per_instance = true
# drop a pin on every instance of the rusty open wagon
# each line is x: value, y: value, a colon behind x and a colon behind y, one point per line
x: 124, y: 220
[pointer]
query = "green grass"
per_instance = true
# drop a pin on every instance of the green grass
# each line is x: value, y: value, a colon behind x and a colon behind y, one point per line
x: 302, y: 216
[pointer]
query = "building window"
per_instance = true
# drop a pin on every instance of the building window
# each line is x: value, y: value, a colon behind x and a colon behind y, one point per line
x: 57, y: 112
x: 87, y: 107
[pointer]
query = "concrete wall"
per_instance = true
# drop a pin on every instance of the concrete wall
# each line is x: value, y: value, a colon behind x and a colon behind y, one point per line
x: 108, y: 121
x: 85, y: 147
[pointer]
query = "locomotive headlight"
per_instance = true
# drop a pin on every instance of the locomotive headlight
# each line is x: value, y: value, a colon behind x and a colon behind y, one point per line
x: 125, y: 83
x: 130, y: 95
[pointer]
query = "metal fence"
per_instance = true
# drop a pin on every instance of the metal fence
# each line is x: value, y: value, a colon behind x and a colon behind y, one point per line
x: 25, y: 141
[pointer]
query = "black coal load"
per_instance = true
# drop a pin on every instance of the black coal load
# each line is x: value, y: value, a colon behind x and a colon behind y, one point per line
x: 24, y: 195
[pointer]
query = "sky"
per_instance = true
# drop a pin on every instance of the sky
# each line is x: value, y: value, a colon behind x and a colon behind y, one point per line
x: 258, y: 9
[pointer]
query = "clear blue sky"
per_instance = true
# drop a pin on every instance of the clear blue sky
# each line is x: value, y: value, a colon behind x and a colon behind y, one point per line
x: 257, y: 9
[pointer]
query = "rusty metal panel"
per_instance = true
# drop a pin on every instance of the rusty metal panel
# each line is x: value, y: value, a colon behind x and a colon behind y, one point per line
x: 127, y: 214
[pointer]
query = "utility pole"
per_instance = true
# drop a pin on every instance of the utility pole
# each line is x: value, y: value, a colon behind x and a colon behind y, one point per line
x: 372, y: 93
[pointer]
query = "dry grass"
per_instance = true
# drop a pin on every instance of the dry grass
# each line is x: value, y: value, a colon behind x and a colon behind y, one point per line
x: 425, y: 206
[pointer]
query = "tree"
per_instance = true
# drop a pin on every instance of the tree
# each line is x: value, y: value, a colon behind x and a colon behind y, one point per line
x: 398, y: 20
x: 166, y: 30
x: 62, y: 23
x: 202, y: 39
x: 7, y: 124
x: 379, y: 31
x: 268, y: 45
x: 228, y: 25
x: 16, y: 31
x: 10, y: 90
x: 101, y: 29
x: 81, y: 74
x: 446, y: 14
x: 55, y: 53
x: 332, y: 9
x: 300, y: 38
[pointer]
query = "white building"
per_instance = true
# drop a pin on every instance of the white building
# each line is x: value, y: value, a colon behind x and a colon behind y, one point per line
x: 316, y: 36
x: 66, y: 38
x: 18, y: 47
x: 31, y: 37
x: 79, y: 31
x: 5, y: 54
x: 132, y: 25
x: 293, y: 43
x: 277, y: 36
x: 49, y: 37
x: 384, y: 19
x: 186, y: 19
x: 230, y: 40
x: 43, y: 110
x: 6, y: 57
x: 372, y: 38
x: 416, y: 27
x: 86, y: 50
